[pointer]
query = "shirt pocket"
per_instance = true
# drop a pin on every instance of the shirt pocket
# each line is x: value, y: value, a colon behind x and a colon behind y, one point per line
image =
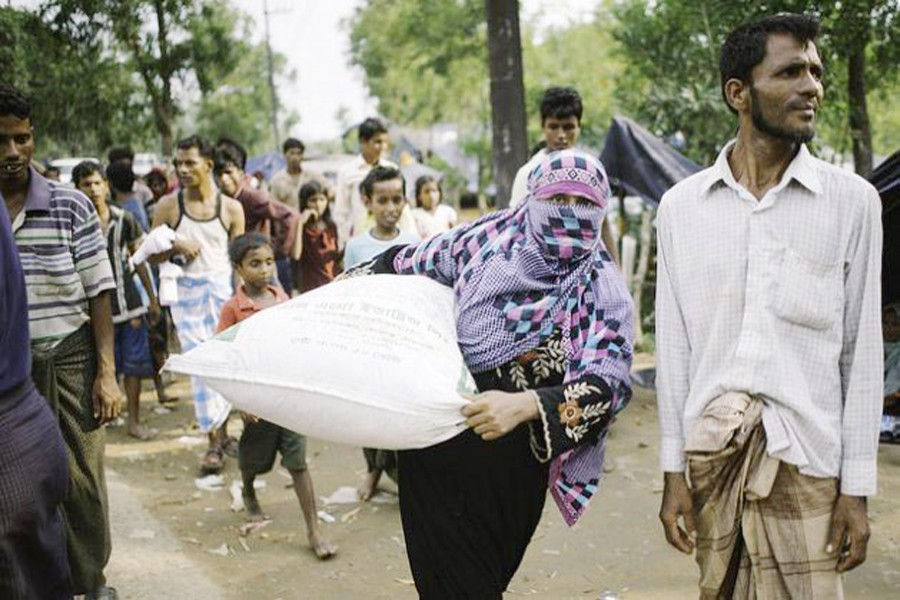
x: 52, y: 272
x: 807, y: 293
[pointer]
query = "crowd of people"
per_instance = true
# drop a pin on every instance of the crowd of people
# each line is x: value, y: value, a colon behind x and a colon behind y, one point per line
x: 768, y: 337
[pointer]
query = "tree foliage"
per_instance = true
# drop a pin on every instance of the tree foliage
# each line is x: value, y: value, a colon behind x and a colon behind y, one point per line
x: 84, y: 99
x: 671, y: 47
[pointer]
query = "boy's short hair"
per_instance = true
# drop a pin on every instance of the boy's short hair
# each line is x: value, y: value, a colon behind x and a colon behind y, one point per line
x: 561, y: 103
x: 292, y: 143
x: 14, y: 103
x: 246, y: 242
x: 202, y: 145
x: 120, y: 153
x: 745, y: 46
x: 85, y: 169
x: 120, y: 177
x: 240, y: 151
x: 377, y: 175
x: 157, y: 175
x: 225, y: 156
x: 370, y: 128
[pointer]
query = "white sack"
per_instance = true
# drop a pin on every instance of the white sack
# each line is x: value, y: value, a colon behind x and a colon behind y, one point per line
x: 369, y: 361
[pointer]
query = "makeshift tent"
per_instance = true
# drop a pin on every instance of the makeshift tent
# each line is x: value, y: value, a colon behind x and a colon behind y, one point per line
x: 886, y: 179
x: 269, y: 164
x: 641, y: 164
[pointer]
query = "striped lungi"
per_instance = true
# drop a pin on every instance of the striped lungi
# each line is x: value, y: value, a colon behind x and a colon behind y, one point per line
x: 196, y: 314
x: 762, y: 526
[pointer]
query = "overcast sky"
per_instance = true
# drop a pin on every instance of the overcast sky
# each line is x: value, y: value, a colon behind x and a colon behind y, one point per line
x: 308, y: 32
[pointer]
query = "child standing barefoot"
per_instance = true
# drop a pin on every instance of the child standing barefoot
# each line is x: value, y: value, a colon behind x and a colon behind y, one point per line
x: 254, y: 260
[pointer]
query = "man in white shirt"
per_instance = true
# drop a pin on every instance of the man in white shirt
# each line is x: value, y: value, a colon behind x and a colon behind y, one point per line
x: 769, y: 338
x: 350, y: 213
x: 561, y: 109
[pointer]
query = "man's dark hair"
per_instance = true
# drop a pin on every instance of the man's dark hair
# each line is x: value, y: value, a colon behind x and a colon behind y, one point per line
x: 292, y: 143
x: 370, y: 128
x: 561, y: 103
x: 246, y: 242
x: 51, y: 169
x: 120, y: 177
x: 202, y: 145
x: 13, y: 102
x: 84, y: 169
x: 156, y: 175
x: 225, y: 156
x: 377, y: 175
x: 226, y: 142
x: 745, y: 46
x: 120, y: 153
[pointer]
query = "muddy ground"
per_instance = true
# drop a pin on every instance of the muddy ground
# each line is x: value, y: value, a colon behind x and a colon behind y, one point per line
x: 173, y: 540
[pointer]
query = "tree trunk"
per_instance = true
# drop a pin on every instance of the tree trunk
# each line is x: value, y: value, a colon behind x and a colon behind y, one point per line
x: 641, y: 274
x: 860, y: 130
x: 507, y: 94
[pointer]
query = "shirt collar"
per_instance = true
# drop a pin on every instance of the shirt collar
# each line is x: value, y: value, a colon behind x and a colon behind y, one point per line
x: 245, y: 303
x: 39, y: 190
x: 802, y: 170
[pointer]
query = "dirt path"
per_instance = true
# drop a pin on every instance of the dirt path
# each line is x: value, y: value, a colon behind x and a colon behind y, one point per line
x: 617, y: 547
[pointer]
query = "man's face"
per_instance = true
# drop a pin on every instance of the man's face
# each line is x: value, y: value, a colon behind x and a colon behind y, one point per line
x: 373, y: 148
x: 386, y: 203
x: 787, y: 89
x: 293, y: 157
x: 229, y: 180
x: 191, y: 167
x: 561, y: 133
x: 16, y: 148
x: 94, y: 186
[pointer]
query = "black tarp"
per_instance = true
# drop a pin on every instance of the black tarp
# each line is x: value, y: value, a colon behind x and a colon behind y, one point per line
x: 641, y: 164
x: 886, y: 179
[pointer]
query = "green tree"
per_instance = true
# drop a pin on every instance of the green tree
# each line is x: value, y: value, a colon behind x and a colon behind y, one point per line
x: 671, y: 79
x: 165, y: 42
x: 85, y: 100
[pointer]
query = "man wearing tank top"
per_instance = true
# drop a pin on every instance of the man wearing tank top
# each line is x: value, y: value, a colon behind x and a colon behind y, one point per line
x: 205, y: 221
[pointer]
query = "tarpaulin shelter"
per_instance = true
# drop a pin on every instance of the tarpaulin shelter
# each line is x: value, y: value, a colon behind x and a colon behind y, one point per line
x: 886, y: 179
x: 641, y: 164
x: 268, y: 164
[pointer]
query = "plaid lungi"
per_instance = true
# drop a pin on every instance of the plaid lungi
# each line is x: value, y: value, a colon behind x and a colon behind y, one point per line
x: 33, y: 480
x: 65, y: 376
x: 196, y: 314
x: 762, y: 526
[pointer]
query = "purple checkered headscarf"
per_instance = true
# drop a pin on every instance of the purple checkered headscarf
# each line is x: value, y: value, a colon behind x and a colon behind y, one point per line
x: 519, y: 274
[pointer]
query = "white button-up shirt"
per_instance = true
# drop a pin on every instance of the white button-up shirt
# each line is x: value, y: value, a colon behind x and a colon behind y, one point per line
x: 778, y: 297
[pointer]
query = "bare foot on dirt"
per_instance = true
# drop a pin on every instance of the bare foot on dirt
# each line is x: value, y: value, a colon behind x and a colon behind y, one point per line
x: 323, y: 548
x: 142, y: 433
x: 370, y: 487
x: 254, y: 510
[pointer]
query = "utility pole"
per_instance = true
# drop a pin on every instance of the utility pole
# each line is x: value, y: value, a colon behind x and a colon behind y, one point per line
x: 271, y: 67
x: 507, y: 94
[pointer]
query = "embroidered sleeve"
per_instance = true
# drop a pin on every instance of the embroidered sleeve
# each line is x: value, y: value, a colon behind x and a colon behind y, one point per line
x: 571, y: 414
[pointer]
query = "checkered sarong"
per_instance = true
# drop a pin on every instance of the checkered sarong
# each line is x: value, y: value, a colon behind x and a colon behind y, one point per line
x: 762, y: 526
x: 196, y: 314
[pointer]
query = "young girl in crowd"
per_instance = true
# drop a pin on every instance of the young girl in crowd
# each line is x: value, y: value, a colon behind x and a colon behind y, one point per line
x: 319, y: 255
x: 431, y: 216
x: 254, y: 260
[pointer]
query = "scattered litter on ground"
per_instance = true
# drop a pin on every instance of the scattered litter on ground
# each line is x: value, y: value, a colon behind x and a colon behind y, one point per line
x: 237, y: 500
x: 142, y: 534
x: 405, y: 581
x: 244, y: 544
x: 251, y: 526
x: 343, y: 495
x: 325, y: 517
x: 190, y: 540
x: 222, y: 550
x: 551, y: 552
x: 160, y: 410
x: 210, y: 483
x: 350, y: 516
x: 382, y: 497
x: 191, y: 440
